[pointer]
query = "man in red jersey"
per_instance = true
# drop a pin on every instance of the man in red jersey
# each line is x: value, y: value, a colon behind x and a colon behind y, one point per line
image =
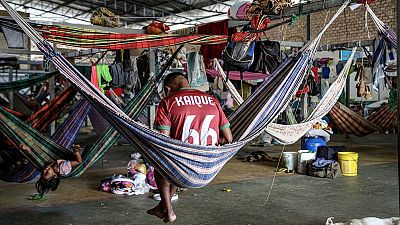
x: 191, y: 116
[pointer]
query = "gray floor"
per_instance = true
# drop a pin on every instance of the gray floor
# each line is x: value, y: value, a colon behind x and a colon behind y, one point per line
x: 295, y: 199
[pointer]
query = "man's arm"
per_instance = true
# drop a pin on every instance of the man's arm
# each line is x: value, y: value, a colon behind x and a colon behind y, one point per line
x: 226, y: 136
x: 165, y: 132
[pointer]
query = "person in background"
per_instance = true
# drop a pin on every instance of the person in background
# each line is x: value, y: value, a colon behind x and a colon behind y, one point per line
x: 191, y: 116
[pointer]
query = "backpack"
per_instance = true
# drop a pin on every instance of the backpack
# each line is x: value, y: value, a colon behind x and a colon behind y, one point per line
x: 239, y: 55
x: 267, y: 57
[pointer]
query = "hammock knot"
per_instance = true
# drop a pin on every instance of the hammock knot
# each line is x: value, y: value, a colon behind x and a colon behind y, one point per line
x: 49, y: 57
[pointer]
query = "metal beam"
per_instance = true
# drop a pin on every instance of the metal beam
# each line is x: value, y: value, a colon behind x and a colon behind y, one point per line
x: 65, y: 4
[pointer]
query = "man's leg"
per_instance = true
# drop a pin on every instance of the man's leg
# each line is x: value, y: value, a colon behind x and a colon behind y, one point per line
x: 164, y: 208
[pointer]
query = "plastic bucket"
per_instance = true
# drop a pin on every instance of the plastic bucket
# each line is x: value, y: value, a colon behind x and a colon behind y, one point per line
x: 312, y: 143
x: 303, y: 156
x: 348, y: 163
x: 290, y: 160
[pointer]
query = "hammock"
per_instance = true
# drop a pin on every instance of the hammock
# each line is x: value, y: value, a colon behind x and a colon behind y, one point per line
x: 22, y: 104
x: 289, y: 134
x: 16, y: 113
x: 181, y: 163
x: 68, y: 131
x: 64, y: 136
x: 21, y: 84
x: 384, y: 118
x: 20, y: 174
x: 350, y: 122
x: 49, y: 112
x: 92, y: 38
x: 386, y: 32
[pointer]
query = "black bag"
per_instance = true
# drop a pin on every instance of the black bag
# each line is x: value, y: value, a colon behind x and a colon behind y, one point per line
x: 330, y: 152
x: 238, y: 55
x: 267, y: 57
x: 331, y: 171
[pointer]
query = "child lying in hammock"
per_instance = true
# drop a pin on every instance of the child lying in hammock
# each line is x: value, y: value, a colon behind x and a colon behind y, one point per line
x: 51, y: 173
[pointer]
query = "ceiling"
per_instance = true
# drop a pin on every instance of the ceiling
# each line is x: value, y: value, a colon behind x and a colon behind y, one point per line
x: 133, y: 13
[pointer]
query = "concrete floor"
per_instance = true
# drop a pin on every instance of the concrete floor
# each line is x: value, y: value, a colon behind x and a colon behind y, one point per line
x: 295, y: 199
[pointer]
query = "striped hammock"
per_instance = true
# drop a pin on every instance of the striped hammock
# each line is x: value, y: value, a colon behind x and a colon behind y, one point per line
x: 21, y: 84
x: 64, y: 136
x: 49, y: 112
x: 350, y: 122
x: 103, y: 144
x: 100, y: 39
x: 181, y: 163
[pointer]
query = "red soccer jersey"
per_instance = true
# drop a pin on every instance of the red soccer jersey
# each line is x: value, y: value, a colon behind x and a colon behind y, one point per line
x: 191, y: 116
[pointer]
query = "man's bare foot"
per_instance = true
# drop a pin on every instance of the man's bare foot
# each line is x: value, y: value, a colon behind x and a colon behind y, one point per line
x: 157, y: 211
x: 169, y: 218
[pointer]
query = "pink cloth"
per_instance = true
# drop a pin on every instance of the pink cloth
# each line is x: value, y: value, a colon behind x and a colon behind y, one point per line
x: 235, y: 75
x: 94, y: 78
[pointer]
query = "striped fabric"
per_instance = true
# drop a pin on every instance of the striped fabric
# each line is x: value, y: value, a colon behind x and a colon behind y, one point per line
x: 91, y: 38
x: 86, y: 38
x: 20, y: 115
x: 23, y: 173
x: 68, y: 131
x: 384, y: 118
x: 289, y: 134
x: 181, y: 163
x: 64, y: 136
x: 44, y: 149
x: 350, y: 122
x: 49, y: 112
x: 20, y: 84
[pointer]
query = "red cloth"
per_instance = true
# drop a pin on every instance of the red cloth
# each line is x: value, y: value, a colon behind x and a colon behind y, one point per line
x: 191, y: 116
x: 94, y: 78
x: 315, y: 72
x: 303, y: 91
x: 213, y: 51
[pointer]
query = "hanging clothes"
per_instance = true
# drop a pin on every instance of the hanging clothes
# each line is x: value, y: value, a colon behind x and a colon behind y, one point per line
x: 104, y: 76
x: 94, y: 77
x: 196, y: 70
x: 213, y: 51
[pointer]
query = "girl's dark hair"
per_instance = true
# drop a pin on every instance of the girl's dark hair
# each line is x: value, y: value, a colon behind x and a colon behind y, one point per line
x: 43, y: 186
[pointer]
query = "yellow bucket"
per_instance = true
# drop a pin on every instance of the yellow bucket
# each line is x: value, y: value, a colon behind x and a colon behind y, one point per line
x: 348, y: 163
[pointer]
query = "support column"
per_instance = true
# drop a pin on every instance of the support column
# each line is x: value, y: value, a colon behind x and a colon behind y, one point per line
x: 398, y: 93
x: 52, y: 92
x: 11, y: 93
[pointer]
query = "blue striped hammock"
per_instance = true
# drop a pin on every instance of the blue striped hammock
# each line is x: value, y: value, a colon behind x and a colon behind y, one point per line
x: 184, y: 164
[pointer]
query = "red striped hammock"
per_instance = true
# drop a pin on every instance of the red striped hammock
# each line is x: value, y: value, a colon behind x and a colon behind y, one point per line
x: 88, y: 38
